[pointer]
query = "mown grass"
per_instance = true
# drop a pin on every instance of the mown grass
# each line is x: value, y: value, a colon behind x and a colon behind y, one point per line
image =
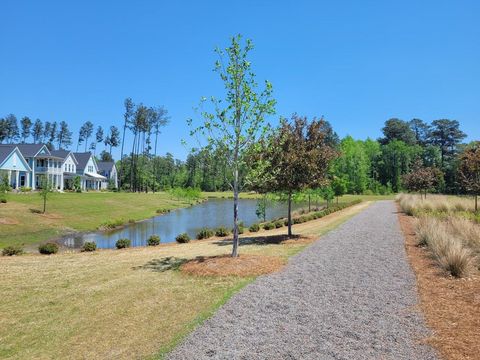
x: 115, y: 303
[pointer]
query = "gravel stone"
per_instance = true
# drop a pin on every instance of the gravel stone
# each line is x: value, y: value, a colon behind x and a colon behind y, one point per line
x: 350, y: 295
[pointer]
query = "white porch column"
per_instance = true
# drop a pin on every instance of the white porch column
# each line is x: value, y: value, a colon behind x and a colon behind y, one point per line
x: 17, y: 179
x: 33, y: 174
x: 62, y: 181
x: 9, y: 177
x: 27, y: 179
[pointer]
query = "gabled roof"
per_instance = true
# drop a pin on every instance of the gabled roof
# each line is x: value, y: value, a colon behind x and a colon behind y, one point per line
x: 82, y: 159
x: 105, y: 165
x: 5, y: 151
x: 63, y: 154
x: 31, y: 150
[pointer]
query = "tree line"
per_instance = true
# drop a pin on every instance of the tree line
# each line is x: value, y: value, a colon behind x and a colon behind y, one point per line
x: 57, y: 135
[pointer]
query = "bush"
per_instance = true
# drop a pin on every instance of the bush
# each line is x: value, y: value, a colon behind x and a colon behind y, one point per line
x: 153, y: 240
x: 241, y: 228
x: 89, y: 246
x: 12, y: 250
x: 3, y: 200
x: 111, y: 224
x: 222, y: 231
x: 182, y: 238
x: 254, y: 228
x: 269, y: 226
x: 162, y: 211
x: 285, y: 222
x: 123, y: 243
x: 205, y: 233
x: 278, y: 223
x: 25, y: 189
x: 48, y: 248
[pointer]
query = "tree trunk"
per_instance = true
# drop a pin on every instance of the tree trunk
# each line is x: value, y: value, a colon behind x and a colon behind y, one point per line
x: 44, y: 204
x: 289, y: 215
x: 476, y: 203
x: 337, y: 200
x: 309, y: 207
x: 235, y: 214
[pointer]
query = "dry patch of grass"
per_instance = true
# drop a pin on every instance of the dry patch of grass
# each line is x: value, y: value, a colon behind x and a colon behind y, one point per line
x: 243, y: 265
x: 413, y: 204
x: 451, y: 306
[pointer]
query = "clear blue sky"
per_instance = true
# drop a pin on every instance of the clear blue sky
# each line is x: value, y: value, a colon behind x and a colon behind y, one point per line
x: 358, y: 63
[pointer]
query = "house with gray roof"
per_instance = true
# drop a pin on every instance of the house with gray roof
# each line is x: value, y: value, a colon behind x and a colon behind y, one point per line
x: 14, y: 166
x: 109, y: 170
x: 69, y: 166
x: 87, y: 169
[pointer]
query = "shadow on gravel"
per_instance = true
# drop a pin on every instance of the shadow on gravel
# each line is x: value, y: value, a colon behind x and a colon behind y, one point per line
x: 260, y: 240
x: 161, y: 265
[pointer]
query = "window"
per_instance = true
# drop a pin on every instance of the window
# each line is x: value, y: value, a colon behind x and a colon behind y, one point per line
x: 66, y: 167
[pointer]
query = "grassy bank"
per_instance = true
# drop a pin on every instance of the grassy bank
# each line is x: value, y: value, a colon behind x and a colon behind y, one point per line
x: 74, y: 212
x: 117, y: 303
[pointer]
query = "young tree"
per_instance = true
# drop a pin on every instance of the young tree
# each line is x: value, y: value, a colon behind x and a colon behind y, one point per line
x: 37, y: 131
x: 469, y: 170
x: 26, y: 126
x: 298, y: 156
x: 46, y: 187
x: 339, y: 187
x: 64, y: 136
x: 421, y: 178
x: 105, y: 156
x: 236, y: 122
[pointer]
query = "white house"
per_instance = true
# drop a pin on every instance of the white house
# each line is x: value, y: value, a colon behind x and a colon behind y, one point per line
x: 69, y: 166
x: 87, y: 169
x: 109, y: 170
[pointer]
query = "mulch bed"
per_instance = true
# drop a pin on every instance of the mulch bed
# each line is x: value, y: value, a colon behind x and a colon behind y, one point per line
x: 451, y: 306
x: 225, y: 265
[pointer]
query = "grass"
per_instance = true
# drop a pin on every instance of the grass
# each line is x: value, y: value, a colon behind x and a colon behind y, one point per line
x: 75, y: 212
x: 118, y: 303
x: 453, y: 241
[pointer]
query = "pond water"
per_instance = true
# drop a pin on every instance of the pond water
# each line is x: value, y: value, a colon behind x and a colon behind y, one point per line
x: 211, y: 214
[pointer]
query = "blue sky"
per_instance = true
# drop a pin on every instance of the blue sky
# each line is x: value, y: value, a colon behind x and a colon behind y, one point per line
x: 358, y: 63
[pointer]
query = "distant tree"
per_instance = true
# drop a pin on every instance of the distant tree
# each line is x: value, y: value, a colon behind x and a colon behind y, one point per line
x: 353, y: 165
x: 113, y: 138
x: 421, y: 130
x: 127, y: 119
x: 3, y: 130
x: 26, y: 126
x: 98, y: 138
x: 87, y: 132
x: 327, y: 193
x: 46, y: 131
x: 46, y: 187
x: 235, y: 123
x: 396, y: 129
x: 105, y: 156
x: 298, y: 156
x: 421, y: 178
x: 52, y: 135
x: 11, y: 128
x: 37, y: 131
x: 469, y: 170
x: 81, y: 136
x: 446, y: 134
x: 64, y: 136
x: 339, y: 187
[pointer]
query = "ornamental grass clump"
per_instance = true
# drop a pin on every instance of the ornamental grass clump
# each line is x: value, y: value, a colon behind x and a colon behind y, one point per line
x: 123, y: 243
x: 12, y: 250
x: 205, y: 233
x: 183, y: 238
x: 48, y: 248
x: 254, y: 228
x: 89, y: 246
x: 222, y: 231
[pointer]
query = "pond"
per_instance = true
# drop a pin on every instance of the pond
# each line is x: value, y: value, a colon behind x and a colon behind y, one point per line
x: 212, y: 213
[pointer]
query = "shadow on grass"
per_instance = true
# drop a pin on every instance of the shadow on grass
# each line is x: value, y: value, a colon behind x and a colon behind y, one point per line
x: 259, y: 240
x: 162, y: 265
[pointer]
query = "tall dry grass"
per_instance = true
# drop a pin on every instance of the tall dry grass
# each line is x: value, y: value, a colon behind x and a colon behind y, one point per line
x: 453, y: 242
x: 413, y: 204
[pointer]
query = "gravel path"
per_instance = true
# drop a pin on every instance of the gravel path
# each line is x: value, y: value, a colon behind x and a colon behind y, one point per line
x: 350, y: 295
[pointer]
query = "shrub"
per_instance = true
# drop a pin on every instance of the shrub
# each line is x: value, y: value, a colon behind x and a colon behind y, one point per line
x: 162, y: 211
x: 254, y: 228
x: 25, y: 189
x: 278, y: 223
x: 222, y: 231
x: 241, y: 228
x: 268, y: 226
x: 3, y: 200
x: 123, y: 243
x: 205, y: 233
x: 131, y: 221
x: 89, y: 246
x: 153, y: 240
x: 111, y: 224
x: 285, y: 222
x: 12, y: 250
x: 48, y: 248
x: 182, y: 238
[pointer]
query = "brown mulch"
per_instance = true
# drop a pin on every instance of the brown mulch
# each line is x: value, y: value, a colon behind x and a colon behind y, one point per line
x: 225, y: 265
x: 451, y: 306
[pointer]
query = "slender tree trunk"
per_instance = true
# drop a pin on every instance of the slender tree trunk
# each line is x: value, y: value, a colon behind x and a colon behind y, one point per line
x: 309, y: 207
x: 235, y: 214
x: 132, y: 162
x: 290, y: 215
x: 337, y: 200
x: 44, y: 204
x: 476, y: 203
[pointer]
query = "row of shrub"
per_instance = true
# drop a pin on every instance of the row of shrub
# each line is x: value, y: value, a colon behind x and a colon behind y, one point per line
x: 303, y: 218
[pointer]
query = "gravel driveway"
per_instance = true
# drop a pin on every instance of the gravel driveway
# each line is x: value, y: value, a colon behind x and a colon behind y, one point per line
x: 350, y: 295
